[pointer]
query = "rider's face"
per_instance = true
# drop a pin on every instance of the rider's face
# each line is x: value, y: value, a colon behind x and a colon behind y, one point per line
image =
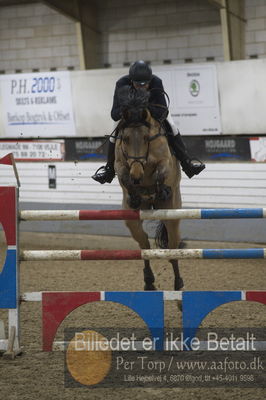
x: 138, y: 86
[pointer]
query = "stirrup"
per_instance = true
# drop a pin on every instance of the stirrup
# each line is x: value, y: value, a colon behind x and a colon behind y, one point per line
x: 107, y: 175
x: 192, y: 166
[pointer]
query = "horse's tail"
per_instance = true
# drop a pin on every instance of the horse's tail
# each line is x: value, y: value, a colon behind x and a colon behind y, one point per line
x: 161, y: 236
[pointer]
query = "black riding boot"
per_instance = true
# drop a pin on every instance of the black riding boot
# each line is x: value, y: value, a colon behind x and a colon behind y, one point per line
x: 106, y: 173
x: 190, y: 166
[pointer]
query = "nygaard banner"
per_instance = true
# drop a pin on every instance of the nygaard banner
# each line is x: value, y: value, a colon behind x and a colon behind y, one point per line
x: 37, y: 105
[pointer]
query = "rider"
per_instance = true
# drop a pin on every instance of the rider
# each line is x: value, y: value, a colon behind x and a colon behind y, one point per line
x: 140, y: 76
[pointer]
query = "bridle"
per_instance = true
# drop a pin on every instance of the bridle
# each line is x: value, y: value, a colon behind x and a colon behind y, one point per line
x: 139, y: 159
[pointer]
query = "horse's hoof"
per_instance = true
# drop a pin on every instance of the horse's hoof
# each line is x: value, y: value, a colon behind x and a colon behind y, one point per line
x: 164, y: 193
x: 179, y: 284
x: 134, y: 202
x: 149, y: 286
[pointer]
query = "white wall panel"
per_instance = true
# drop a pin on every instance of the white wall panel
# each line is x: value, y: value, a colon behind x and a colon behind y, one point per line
x: 241, y: 96
x: 220, y: 185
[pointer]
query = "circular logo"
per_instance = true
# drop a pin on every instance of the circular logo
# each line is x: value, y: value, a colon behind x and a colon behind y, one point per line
x: 194, y: 88
x: 88, y: 357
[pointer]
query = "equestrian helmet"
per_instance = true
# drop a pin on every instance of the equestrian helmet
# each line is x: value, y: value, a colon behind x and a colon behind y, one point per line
x: 140, y: 72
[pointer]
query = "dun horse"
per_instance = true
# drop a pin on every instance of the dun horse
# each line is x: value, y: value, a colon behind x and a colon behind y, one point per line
x: 148, y: 174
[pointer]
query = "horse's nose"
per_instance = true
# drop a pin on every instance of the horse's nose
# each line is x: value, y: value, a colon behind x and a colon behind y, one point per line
x: 136, y: 173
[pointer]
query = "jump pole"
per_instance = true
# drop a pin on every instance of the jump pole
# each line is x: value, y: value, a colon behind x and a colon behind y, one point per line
x: 79, y: 215
x: 169, y: 254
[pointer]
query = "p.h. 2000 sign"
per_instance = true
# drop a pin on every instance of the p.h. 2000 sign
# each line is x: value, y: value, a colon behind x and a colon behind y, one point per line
x: 38, y: 105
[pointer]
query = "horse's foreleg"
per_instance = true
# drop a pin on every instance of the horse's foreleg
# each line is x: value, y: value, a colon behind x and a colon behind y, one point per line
x: 178, y: 280
x: 141, y: 237
x: 131, y: 199
x: 148, y: 276
x: 173, y: 243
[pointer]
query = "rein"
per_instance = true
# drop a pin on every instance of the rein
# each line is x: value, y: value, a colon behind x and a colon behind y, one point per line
x: 166, y: 108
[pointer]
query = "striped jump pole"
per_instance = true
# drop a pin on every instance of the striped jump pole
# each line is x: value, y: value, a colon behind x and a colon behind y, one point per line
x: 79, y: 215
x: 67, y: 255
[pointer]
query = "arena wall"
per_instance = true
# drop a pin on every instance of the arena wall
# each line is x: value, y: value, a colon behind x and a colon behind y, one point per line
x: 240, y: 96
x: 37, y: 37
x: 34, y: 37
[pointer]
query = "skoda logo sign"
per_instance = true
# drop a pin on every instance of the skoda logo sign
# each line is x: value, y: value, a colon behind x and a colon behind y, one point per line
x: 194, y: 88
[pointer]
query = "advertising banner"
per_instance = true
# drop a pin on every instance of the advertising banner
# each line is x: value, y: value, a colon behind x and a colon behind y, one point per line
x: 37, y: 105
x: 33, y: 150
x: 193, y: 94
x: 258, y: 149
x: 221, y: 148
x: 86, y: 149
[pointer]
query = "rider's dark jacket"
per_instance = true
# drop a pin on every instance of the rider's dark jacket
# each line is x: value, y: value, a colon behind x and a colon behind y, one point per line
x: 156, y: 99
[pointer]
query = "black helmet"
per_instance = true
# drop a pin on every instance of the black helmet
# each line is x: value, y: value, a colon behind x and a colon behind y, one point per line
x: 140, y: 72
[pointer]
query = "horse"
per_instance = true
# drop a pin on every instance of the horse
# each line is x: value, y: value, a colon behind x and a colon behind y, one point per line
x: 149, y: 175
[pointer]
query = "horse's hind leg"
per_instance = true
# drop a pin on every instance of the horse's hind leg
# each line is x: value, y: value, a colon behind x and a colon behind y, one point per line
x: 141, y: 237
x: 173, y: 243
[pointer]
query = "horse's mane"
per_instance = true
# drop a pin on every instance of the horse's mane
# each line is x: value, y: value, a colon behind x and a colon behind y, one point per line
x: 133, y: 98
x: 133, y: 103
